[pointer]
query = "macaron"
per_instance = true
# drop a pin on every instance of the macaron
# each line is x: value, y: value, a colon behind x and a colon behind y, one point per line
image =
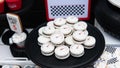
x: 62, y: 52
x: 81, y: 25
x: 58, y: 22
x: 77, y: 50
x: 47, y: 49
x: 89, y: 43
x: 71, y: 20
x: 57, y: 38
x: 41, y: 40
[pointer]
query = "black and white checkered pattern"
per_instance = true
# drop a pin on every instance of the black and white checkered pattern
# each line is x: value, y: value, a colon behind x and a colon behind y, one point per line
x: 110, y: 49
x: 67, y: 10
x: 112, y: 60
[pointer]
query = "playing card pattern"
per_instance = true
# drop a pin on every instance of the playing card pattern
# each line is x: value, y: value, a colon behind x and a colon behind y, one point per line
x: 109, y: 59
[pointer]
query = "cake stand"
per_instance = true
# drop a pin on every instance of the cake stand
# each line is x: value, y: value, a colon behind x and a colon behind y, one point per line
x: 34, y: 53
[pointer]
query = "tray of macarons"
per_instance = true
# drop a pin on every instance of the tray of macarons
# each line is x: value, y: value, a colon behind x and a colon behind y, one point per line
x: 65, y: 43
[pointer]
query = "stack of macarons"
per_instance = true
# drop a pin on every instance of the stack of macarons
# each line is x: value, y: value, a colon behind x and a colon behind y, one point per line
x: 64, y: 37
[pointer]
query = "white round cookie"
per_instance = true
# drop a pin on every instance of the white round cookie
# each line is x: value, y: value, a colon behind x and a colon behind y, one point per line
x: 69, y: 40
x: 80, y: 35
x: 72, y: 20
x: 66, y: 30
x: 6, y: 66
x: 58, y: 22
x: 50, y: 23
x: 62, y: 52
x: 57, y: 31
x: 40, y: 31
x: 28, y: 66
x: 48, y: 30
x: 15, y: 66
x: 42, y: 40
x: 19, y: 39
x: 81, y: 25
x: 77, y: 50
x: 89, y: 43
x: 47, y: 49
x: 57, y: 38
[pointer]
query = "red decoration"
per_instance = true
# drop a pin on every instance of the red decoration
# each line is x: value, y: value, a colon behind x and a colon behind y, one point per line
x: 1, y: 6
x: 14, y: 4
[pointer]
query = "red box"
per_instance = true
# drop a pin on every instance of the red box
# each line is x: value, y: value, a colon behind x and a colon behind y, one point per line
x: 1, y: 6
x: 14, y: 4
